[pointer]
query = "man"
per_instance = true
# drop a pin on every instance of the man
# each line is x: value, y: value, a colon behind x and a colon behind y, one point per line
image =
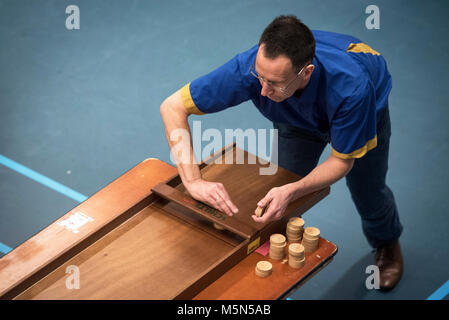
x: 317, y: 88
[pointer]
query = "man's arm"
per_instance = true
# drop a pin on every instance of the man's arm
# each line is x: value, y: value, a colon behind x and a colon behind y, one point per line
x: 324, y: 175
x: 175, y: 118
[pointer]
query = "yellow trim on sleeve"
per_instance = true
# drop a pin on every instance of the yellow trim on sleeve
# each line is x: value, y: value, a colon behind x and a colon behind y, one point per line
x: 188, y: 101
x: 361, y: 47
x: 371, y: 144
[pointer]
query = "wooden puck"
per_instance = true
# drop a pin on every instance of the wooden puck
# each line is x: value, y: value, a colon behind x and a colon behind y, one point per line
x: 276, y: 255
x: 309, y: 246
x: 263, y: 269
x: 262, y: 274
x: 309, y: 239
x: 218, y: 227
x: 296, y: 249
x: 309, y: 250
x: 296, y: 222
x: 264, y: 266
x: 312, y: 232
x: 293, y: 228
x: 297, y: 264
x: 260, y: 211
x: 293, y: 234
x: 277, y: 239
x: 277, y: 251
x: 278, y: 246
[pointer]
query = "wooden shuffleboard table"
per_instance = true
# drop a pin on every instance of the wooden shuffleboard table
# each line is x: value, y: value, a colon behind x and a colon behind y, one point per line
x: 143, y: 237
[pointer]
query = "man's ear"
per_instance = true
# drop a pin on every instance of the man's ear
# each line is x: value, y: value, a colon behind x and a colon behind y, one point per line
x: 308, y: 71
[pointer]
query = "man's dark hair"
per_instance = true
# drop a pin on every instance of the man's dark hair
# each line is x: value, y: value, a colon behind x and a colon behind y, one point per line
x: 287, y: 35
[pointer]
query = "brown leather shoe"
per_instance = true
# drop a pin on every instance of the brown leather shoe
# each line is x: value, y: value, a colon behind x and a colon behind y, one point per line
x: 389, y: 261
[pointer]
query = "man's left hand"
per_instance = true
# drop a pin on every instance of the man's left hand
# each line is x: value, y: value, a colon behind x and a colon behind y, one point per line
x: 276, y: 200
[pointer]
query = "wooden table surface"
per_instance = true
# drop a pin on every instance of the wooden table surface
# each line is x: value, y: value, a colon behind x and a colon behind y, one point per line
x: 241, y: 282
x: 35, y: 269
x: 52, y: 246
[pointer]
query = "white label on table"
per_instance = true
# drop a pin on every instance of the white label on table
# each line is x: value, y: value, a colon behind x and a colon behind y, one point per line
x: 75, y: 221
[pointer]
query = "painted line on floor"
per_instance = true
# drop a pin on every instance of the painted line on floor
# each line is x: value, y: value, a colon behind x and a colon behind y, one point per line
x: 4, y: 248
x: 42, y: 179
x: 440, y: 293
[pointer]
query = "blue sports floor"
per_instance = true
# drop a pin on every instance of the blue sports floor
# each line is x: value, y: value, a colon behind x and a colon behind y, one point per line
x: 78, y: 108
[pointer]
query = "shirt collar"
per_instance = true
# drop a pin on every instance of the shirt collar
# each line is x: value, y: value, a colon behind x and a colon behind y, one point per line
x: 310, y: 92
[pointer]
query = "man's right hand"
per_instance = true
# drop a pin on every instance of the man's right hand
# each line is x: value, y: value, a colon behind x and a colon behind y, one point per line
x: 212, y: 193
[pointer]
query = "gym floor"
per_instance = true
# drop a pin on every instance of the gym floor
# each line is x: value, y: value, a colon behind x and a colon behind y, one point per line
x: 78, y: 108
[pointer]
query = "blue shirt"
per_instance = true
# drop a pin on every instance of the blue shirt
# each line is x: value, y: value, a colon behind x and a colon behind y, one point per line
x: 349, y: 84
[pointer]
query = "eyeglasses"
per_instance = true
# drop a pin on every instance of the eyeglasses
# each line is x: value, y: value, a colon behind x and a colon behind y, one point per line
x: 252, y: 70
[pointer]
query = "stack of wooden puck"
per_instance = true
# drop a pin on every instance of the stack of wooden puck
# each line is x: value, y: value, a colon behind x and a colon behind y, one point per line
x: 295, y: 229
x: 263, y: 269
x: 277, y: 246
x: 310, y: 239
x: 296, y: 257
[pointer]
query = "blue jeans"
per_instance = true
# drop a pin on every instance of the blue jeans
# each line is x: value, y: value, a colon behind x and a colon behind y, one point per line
x: 299, y: 151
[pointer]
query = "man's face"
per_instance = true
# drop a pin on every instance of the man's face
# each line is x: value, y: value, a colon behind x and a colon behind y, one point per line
x: 277, y: 73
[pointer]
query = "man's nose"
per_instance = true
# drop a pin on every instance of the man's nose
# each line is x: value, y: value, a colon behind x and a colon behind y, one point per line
x: 265, y: 89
